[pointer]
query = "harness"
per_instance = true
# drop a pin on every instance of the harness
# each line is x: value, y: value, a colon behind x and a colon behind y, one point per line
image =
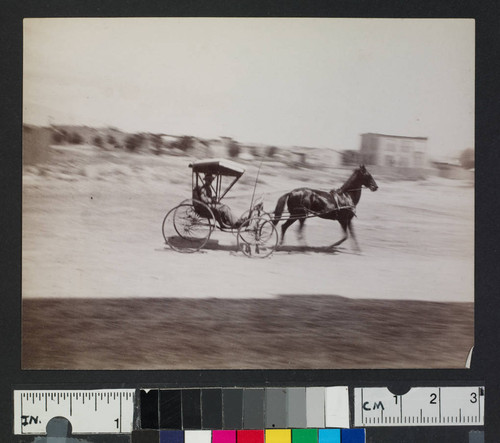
x: 342, y: 200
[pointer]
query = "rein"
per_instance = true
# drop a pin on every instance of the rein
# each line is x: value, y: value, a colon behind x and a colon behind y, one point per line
x: 255, y: 184
x: 347, y: 190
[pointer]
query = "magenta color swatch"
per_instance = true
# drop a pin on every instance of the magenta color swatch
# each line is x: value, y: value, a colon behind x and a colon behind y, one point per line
x: 223, y: 436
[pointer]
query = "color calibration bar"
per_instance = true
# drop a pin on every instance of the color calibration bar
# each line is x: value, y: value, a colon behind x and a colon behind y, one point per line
x: 252, y: 436
x: 245, y: 408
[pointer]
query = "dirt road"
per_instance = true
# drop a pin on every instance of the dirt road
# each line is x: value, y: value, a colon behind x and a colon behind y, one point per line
x: 92, y: 231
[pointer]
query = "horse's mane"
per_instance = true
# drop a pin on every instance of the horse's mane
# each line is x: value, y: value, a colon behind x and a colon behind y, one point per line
x: 349, y: 182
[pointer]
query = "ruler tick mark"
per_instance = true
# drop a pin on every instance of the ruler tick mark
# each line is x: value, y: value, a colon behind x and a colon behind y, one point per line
x: 439, y: 405
x: 22, y: 412
x: 481, y: 392
x: 362, y: 403
x: 120, y: 413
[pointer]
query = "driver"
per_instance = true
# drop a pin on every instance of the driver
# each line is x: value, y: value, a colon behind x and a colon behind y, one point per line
x: 223, y: 212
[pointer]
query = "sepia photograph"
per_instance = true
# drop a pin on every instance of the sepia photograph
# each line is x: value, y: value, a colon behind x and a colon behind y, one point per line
x: 248, y: 193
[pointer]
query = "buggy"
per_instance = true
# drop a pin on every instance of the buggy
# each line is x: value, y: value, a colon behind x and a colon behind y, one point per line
x: 188, y: 226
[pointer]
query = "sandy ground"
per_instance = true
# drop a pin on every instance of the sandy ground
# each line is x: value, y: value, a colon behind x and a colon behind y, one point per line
x: 288, y: 332
x: 92, y: 233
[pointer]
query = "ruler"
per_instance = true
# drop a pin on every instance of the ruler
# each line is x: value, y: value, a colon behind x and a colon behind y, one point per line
x: 429, y: 406
x: 108, y: 411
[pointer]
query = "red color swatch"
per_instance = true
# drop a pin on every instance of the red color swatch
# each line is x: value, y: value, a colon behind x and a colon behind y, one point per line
x: 250, y: 436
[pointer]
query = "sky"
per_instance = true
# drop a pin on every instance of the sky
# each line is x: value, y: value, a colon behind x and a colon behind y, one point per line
x: 284, y: 82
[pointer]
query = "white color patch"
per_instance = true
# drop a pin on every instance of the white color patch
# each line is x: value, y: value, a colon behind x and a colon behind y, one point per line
x: 197, y: 436
x: 337, y: 407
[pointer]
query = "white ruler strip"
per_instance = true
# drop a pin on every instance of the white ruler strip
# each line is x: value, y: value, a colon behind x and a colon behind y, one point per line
x: 109, y: 411
x: 436, y: 406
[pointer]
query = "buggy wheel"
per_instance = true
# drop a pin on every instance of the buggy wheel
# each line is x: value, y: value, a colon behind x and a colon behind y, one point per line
x: 188, y: 226
x: 257, y: 237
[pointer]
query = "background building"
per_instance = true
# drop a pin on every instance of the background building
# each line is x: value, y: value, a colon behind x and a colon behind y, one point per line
x: 394, y: 151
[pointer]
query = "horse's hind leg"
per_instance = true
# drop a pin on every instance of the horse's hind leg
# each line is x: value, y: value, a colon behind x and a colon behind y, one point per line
x: 284, y: 227
x: 301, y: 231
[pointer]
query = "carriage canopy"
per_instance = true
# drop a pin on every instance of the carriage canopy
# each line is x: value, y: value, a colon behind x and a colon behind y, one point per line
x: 218, y: 167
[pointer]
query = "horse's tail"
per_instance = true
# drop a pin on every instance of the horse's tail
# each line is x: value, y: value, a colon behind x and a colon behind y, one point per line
x: 278, y: 211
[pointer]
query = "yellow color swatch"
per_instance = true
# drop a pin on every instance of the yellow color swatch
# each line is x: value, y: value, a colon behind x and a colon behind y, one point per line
x: 278, y: 435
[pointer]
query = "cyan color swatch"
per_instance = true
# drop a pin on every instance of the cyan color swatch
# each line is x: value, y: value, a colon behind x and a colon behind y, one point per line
x: 329, y: 436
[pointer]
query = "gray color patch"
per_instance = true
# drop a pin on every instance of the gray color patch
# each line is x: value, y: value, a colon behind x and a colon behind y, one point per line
x: 476, y: 437
x: 296, y: 406
x: 253, y: 409
x: 315, y: 407
x: 232, y: 407
x: 276, y: 416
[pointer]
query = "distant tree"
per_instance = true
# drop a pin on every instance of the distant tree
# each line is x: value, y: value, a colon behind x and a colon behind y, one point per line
x: 234, y: 149
x: 185, y: 143
x: 75, y: 138
x: 98, y: 141
x: 271, y: 152
x: 253, y: 151
x: 59, y: 136
x: 134, y: 141
x: 111, y: 139
x: 467, y: 158
x: 157, y: 143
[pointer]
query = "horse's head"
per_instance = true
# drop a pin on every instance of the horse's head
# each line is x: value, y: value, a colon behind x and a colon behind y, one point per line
x: 367, y: 179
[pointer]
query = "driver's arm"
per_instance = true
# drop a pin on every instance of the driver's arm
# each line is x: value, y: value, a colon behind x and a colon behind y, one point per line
x: 205, y: 195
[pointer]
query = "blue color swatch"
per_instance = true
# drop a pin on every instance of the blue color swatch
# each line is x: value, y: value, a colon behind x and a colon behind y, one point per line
x: 353, y: 436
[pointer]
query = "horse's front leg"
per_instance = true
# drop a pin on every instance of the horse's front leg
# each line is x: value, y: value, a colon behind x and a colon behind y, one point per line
x: 350, y: 227
x: 343, y: 223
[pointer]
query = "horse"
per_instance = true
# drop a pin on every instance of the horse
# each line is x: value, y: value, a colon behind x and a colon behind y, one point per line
x: 338, y: 204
